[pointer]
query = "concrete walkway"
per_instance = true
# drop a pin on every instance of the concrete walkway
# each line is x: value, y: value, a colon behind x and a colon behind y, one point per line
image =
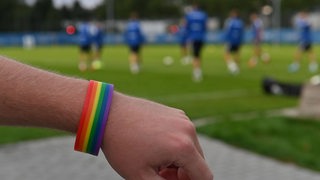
x: 54, y: 159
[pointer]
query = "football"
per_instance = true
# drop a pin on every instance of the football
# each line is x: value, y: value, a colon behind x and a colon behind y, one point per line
x: 168, y: 60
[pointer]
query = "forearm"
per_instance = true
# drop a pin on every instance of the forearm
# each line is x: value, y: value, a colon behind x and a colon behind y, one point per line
x: 32, y: 97
x: 143, y: 140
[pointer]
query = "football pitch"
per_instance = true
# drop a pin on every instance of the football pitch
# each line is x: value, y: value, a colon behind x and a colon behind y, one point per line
x: 220, y: 94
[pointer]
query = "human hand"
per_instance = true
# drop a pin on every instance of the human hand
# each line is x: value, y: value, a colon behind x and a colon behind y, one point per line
x: 146, y: 140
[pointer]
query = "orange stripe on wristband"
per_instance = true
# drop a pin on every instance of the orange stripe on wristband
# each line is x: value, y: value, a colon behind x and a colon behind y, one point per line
x: 94, y: 115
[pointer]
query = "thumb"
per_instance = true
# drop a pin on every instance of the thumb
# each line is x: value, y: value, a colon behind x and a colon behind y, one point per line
x: 172, y: 174
x: 152, y: 174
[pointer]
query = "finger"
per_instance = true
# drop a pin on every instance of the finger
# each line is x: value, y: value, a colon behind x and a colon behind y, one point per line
x: 169, y: 174
x: 193, y: 133
x: 174, y: 174
x: 195, y: 139
x: 154, y: 176
x: 182, y: 175
x: 157, y: 177
x: 198, y: 146
x: 196, y: 168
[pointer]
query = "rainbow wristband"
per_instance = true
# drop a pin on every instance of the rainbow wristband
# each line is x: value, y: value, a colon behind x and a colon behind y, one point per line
x: 94, y: 117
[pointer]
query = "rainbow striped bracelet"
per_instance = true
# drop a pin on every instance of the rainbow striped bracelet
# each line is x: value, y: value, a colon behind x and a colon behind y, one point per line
x: 94, y: 117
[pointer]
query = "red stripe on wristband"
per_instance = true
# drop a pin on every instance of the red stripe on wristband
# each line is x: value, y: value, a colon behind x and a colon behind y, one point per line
x: 94, y: 117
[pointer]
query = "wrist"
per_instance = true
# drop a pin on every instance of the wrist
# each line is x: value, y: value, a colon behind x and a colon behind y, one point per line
x: 94, y: 117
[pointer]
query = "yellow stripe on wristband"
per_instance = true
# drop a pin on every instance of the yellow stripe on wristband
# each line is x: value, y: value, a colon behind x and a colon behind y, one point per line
x: 94, y: 117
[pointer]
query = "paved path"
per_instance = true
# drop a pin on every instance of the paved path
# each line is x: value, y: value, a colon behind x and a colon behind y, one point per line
x: 54, y: 159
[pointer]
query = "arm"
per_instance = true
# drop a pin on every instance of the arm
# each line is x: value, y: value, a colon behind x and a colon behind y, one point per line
x: 143, y: 140
x: 29, y: 96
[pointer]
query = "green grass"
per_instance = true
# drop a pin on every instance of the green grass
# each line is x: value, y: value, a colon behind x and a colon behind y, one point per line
x: 289, y: 140
x: 170, y: 85
x: 15, y: 134
x: 219, y: 95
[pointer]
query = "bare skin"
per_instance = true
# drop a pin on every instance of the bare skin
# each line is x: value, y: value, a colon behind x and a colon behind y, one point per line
x: 143, y: 139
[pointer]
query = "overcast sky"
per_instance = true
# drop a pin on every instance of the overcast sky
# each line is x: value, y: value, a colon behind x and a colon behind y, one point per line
x: 84, y: 3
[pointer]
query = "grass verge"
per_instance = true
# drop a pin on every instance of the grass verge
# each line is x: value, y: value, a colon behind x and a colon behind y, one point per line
x: 17, y: 134
x: 286, y: 139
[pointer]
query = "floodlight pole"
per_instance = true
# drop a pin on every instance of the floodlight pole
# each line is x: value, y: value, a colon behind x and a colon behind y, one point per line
x: 276, y: 20
x: 110, y: 14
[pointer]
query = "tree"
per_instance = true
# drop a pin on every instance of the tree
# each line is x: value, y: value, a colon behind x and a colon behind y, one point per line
x: 7, y: 9
x: 78, y: 12
x: 15, y: 15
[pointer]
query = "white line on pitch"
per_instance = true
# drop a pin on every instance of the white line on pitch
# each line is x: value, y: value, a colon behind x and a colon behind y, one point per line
x: 214, y: 95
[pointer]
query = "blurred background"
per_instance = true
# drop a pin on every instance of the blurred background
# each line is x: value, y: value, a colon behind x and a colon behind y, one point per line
x: 52, y: 17
x: 233, y: 109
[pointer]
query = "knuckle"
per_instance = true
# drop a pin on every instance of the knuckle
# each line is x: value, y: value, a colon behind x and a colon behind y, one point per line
x: 184, y: 139
x: 184, y: 146
x: 190, y: 128
x: 209, y: 176
x: 181, y: 112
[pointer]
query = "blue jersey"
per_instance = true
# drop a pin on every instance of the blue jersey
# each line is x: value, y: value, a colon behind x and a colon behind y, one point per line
x: 257, y: 29
x: 196, y: 25
x: 84, y: 34
x: 183, y: 35
x: 133, y: 34
x: 234, y: 30
x: 305, y: 34
x: 96, y: 35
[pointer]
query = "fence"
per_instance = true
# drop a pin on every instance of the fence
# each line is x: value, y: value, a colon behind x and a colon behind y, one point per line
x: 284, y: 36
